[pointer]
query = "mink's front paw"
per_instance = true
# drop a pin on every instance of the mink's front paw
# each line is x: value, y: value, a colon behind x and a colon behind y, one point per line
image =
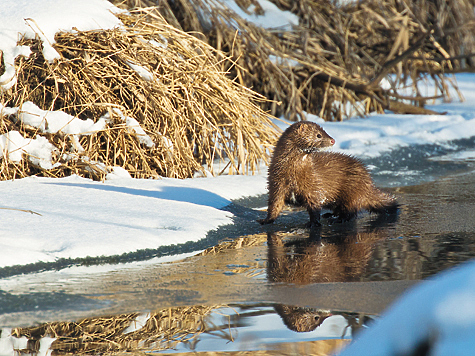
x: 313, y: 224
x: 265, y: 221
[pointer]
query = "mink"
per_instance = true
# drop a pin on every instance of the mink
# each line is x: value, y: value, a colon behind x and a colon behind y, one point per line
x: 303, y: 174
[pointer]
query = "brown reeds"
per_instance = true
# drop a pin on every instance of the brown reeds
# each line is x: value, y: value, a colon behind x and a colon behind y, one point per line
x: 163, y: 329
x: 169, y: 82
x: 240, y: 242
x: 333, y: 62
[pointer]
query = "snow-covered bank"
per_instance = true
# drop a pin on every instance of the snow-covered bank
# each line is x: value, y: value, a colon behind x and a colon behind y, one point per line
x: 79, y: 217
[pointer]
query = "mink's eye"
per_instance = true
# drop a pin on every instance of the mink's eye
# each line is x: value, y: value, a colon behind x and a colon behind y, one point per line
x: 319, y: 136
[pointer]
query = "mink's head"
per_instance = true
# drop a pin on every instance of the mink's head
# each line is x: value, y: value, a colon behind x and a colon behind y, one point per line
x: 307, y: 137
x: 301, y: 319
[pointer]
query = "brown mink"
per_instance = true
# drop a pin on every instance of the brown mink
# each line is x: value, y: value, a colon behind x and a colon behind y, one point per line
x: 300, y: 173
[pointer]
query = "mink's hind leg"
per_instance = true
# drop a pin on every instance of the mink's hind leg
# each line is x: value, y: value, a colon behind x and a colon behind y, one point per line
x: 314, y: 217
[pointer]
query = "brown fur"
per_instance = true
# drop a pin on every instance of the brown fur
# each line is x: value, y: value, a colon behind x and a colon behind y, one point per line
x: 301, y: 174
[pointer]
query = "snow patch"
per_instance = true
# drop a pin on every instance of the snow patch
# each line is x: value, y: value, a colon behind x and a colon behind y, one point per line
x: 137, y: 324
x: 143, y: 72
x: 39, y: 150
x: 9, y: 344
x: 273, y: 17
x: 133, y: 126
x: 55, y: 121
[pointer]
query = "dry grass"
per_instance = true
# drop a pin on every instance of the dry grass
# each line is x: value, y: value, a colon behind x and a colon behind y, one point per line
x: 241, y: 242
x: 164, y: 329
x: 333, y: 63
x: 191, y: 110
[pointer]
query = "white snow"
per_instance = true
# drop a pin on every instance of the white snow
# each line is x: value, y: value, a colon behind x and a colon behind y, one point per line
x: 54, y: 121
x: 39, y: 150
x: 273, y: 17
x: 376, y: 134
x: 284, y: 61
x: 440, y: 310
x: 133, y: 127
x: 82, y: 218
x: 137, y: 324
x: 141, y: 71
x: 9, y: 345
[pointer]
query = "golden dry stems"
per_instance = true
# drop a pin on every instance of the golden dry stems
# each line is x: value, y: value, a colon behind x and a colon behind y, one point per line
x: 163, y: 329
x: 332, y: 64
x: 169, y: 81
x: 241, y: 242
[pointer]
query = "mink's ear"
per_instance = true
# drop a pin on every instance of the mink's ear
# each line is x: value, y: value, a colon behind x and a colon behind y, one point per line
x: 300, y: 129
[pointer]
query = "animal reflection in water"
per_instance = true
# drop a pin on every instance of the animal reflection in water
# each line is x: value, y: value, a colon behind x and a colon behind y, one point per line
x: 343, y: 258
x: 301, y: 319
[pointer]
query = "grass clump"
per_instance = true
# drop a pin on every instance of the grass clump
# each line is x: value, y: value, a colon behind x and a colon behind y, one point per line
x: 170, y: 109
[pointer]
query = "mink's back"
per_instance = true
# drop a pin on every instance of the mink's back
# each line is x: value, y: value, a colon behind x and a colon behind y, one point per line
x: 337, y: 181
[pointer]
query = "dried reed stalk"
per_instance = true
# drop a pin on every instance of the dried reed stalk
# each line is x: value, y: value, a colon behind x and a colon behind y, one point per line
x: 191, y: 110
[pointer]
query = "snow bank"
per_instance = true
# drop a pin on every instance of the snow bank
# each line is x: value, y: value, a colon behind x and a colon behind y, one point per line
x: 371, y: 136
x: 440, y: 310
x: 82, y: 218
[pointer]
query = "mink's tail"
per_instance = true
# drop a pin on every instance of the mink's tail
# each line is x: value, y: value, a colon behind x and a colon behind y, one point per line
x: 383, y: 203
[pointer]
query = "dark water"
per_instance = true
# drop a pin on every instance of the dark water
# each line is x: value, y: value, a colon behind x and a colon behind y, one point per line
x: 280, y: 286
